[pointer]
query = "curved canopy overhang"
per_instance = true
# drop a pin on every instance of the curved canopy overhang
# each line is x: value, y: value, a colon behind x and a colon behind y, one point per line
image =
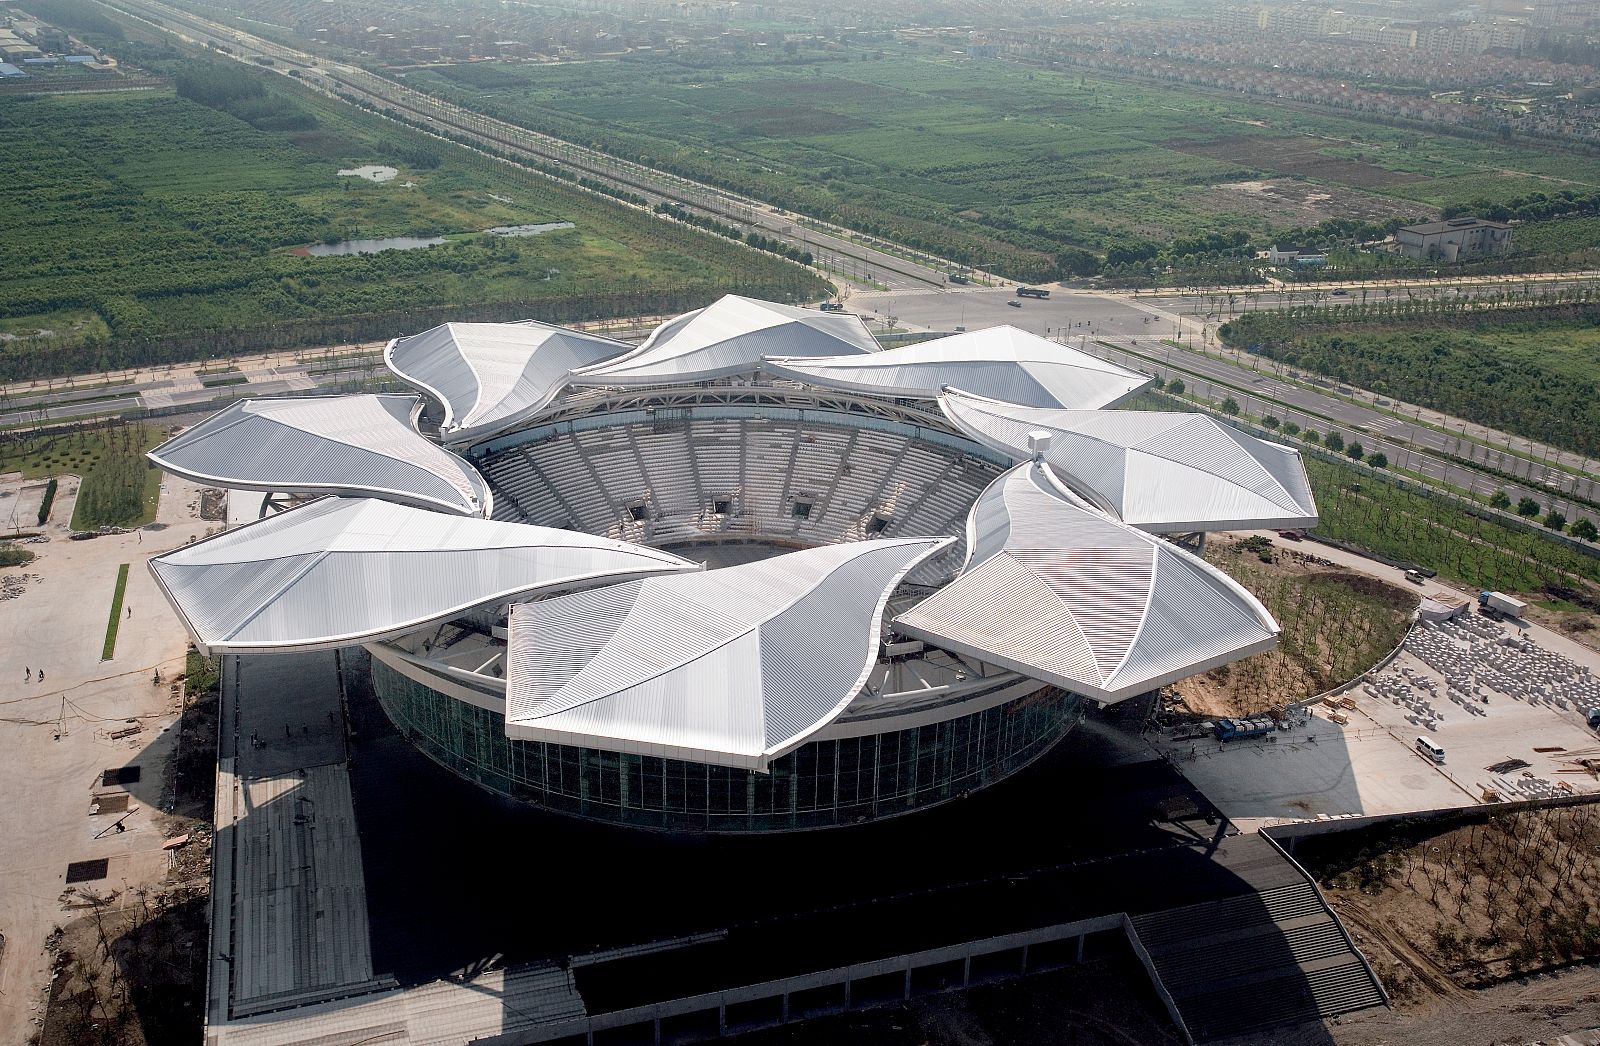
x: 1161, y: 472
x: 357, y: 446
x: 727, y: 338
x: 733, y: 667
x: 1003, y: 363
x: 1054, y: 589
x: 341, y: 571
x: 490, y: 377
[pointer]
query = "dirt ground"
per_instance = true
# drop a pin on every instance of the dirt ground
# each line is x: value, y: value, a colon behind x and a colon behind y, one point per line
x: 1336, y: 625
x: 1290, y: 203
x: 1480, y: 902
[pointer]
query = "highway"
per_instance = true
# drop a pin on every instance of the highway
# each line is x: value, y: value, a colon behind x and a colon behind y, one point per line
x: 846, y: 255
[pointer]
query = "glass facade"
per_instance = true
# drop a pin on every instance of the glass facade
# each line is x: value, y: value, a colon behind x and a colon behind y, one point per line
x: 819, y: 785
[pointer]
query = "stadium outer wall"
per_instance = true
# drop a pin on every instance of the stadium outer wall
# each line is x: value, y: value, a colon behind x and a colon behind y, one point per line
x: 822, y: 784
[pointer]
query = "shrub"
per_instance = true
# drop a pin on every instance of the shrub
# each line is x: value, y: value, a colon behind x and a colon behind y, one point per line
x: 49, y: 500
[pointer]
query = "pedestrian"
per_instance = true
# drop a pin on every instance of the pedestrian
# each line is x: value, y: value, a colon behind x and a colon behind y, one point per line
x: 27, y: 674
x: 130, y: 611
x: 41, y: 675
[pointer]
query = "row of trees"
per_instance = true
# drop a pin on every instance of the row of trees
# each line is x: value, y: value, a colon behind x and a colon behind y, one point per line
x: 1452, y: 354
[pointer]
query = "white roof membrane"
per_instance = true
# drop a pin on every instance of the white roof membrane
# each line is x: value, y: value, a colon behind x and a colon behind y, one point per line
x: 733, y: 667
x: 1161, y: 472
x: 351, y: 445
x: 1056, y: 590
x: 731, y: 336
x: 340, y: 571
x: 1003, y: 363
x: 493, y: 376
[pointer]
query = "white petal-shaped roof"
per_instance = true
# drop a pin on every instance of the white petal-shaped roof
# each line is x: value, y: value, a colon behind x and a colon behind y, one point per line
x: 339, y: 571
x: 493, y: 376
x: 362, y: 446
x: 1162, y: 472
x: 1003, y: 363
x: 731, y: 336
x: 1058, y: 591
x: 733, y: 667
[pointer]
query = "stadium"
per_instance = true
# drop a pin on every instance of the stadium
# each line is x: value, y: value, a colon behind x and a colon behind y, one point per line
x: 756, y: 574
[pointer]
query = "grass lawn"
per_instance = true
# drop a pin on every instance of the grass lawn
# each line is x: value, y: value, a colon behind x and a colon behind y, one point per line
x: 110, y: 648
x: 118, y: 488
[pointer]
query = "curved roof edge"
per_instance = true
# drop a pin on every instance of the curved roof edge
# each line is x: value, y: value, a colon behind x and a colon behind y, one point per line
x: 224, y: 587
x: 1009, y: 436
x: 259, y: 477
x: 1016, y: 561
x: 729, y: 691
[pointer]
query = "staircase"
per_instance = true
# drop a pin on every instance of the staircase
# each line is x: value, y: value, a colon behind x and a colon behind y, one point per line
x: 1254, y: 962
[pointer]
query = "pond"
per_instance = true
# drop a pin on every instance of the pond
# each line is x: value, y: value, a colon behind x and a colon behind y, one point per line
x: 528, y: 230
x: 388, y: 243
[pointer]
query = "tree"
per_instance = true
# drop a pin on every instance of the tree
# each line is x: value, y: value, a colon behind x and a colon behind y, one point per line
x: 1269, y: 422
x: 1500, y: 500
x: 1555, y: 520
x: 1230, y: 406
x: 1334, y: 442
x: 1379, y: 460
x: 1527, y: 507
x: 1157, y: 385
x: 1291, y: 428
x: 1176, y: 386
x: 1584, y: 530
x: 1355, y: 451
x: 1312, y: 436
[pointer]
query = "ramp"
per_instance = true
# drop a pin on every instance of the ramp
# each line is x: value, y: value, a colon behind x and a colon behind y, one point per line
x: 1254, y: 962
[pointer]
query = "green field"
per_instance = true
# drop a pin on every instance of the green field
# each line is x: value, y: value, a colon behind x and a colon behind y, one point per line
x: 991, y: 162
x: 1534, y: 372
x: 144, y: 227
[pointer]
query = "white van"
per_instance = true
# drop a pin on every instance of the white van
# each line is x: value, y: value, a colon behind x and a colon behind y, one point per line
x: 1430, y: 750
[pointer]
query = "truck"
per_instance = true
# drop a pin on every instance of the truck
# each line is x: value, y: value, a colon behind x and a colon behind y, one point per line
x: 1501, y: 603
x: 1032, y: 292
x: 1238, y: 729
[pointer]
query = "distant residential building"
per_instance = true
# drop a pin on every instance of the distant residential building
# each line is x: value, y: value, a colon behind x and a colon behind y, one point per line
x: 1280, y: 255
x: 1454, y: 239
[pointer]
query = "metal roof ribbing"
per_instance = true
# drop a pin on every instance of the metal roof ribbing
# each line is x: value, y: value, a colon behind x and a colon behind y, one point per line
x: 1003, y: 363
x: 492, y: 376
x: 339, y: 571
x: 357, y: 445
x: 1057, y: 591
x: 733, y: 667
x: 1162, y: 472
x: 728, y: 337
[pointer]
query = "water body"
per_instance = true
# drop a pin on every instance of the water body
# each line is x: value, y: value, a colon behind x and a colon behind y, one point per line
x: 389, y: 243
x: 528, y: 230
x: 372, y: 173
